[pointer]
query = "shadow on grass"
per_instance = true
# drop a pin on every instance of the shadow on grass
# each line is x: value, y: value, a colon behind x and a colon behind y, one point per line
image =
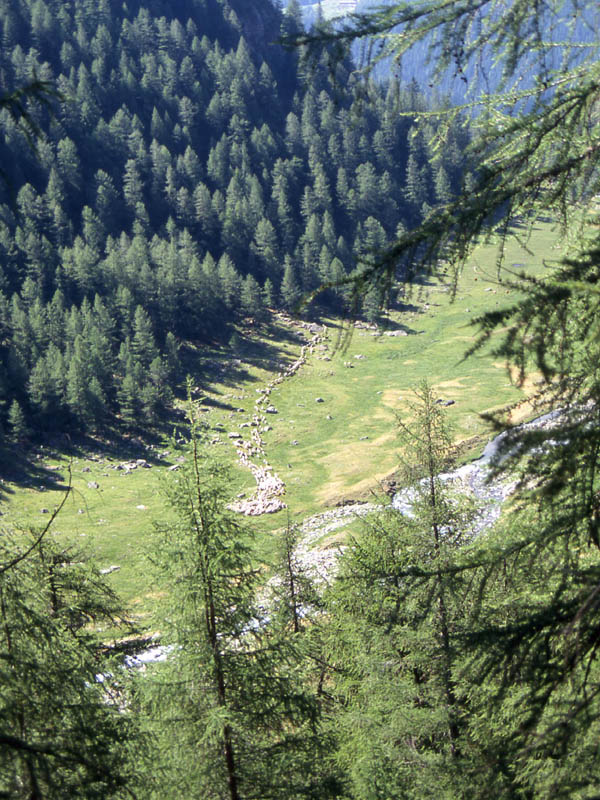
x: 229, y: 365
x: 18, y: 465
x: 24, y: 464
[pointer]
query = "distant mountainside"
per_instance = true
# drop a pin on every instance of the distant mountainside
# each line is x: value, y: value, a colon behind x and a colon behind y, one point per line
x: 191, y: 177
x: 568, y: 25
x: 328, y: 8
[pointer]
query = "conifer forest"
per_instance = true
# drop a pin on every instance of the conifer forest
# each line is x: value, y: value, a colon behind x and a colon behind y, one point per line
x: 185, y: 179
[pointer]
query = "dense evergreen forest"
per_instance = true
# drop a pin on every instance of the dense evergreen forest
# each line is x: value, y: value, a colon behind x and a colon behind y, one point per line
x: 193, y: 176
x: 189, y: 177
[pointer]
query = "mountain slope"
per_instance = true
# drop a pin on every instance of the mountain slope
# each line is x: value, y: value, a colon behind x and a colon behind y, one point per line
x: 189, y: 178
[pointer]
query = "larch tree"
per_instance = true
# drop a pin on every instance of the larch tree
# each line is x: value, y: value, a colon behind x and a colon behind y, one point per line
x: 231, y: 716
x: 63, y: 732
x: 396, y: 613
x: 533, y: 78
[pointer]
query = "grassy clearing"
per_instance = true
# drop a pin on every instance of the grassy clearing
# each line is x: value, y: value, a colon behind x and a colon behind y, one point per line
x: 324, y: 451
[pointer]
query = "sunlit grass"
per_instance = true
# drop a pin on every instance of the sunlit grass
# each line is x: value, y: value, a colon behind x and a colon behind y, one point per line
x: 326, y: 452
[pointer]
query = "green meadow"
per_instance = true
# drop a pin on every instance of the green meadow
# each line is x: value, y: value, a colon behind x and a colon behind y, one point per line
x: 333, y: 438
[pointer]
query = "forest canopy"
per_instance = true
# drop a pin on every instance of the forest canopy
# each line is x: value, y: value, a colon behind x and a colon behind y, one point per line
x: 190, y: 177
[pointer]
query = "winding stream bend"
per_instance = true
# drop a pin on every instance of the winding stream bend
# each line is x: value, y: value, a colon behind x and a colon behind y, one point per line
x: 473, y: 478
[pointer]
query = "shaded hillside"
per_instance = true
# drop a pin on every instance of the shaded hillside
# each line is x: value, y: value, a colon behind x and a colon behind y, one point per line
x: 190, y: 177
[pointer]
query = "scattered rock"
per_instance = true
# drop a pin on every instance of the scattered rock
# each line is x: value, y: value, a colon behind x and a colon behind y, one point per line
x: 93, y: 485
x: 44, y: 510
x: 141, y: 462
x: 295, y: 442
x: 319, y: 400
x: 127, y: 466
x: 86, y: 469
x: 108, y: 570
x: 362, y: 438
x: 359, y: 357
x: 234, y: 435
x: 448, y: 402
x: 141, y: 508
x: 174, y: 468
x: 328, y: 416
x: 270, y: 410
x: 80, y: 511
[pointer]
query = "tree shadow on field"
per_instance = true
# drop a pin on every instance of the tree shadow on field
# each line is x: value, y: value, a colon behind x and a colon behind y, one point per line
x: 24, y: 467
x: 230, y: 366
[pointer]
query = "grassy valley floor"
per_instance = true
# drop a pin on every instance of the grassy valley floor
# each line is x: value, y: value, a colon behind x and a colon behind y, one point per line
x: 332, y: 438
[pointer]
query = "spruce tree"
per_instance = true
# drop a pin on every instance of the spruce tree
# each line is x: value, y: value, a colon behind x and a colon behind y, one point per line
x: 17, y: 422
x: 290, y: 291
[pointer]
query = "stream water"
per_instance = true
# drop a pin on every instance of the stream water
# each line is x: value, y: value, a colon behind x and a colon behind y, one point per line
x: 474, y: 478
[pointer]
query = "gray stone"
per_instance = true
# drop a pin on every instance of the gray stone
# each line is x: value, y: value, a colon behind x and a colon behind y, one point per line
x: 319, y: 400
x: 270, y: 410
x: 93, y: 485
